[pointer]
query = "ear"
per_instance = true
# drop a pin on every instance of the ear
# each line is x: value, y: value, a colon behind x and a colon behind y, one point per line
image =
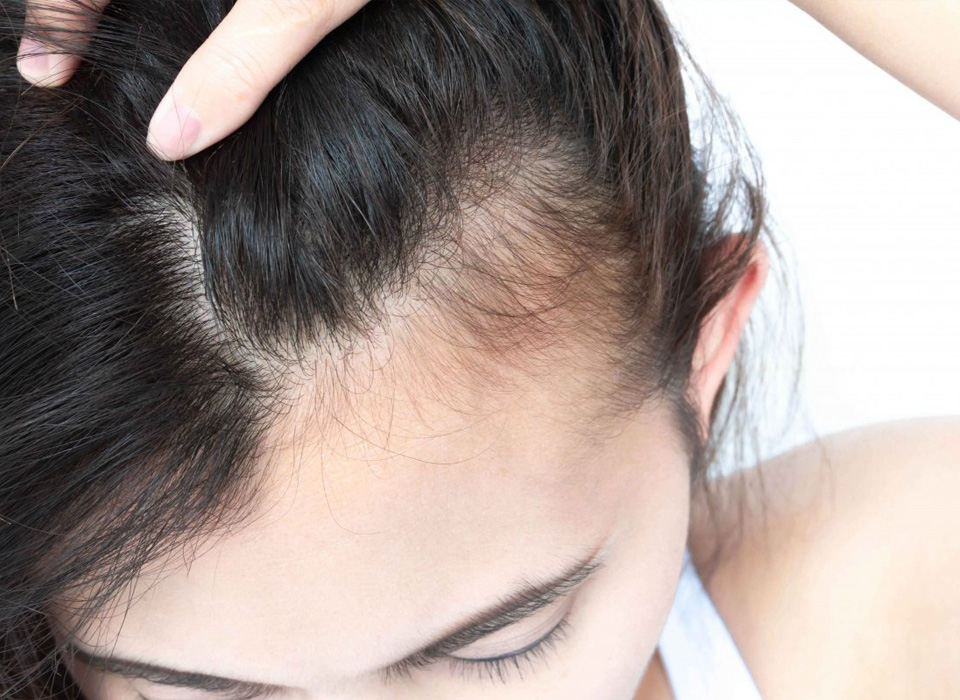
x: 721, y: 332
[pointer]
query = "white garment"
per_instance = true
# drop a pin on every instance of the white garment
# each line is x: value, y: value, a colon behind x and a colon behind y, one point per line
x: 699, y: 655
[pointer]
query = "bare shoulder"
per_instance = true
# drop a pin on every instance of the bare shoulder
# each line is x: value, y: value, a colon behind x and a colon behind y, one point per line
x: 844, y: 582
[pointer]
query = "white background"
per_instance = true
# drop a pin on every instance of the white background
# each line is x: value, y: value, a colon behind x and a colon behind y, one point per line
x: 864, y: 183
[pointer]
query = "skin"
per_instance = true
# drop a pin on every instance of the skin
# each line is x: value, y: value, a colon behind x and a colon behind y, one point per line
x: 321, y: 593
x: 853, y: 535
x: 373, y: 542
x: 259, y: 41
x: 916, y: 42
x: 843, y: 584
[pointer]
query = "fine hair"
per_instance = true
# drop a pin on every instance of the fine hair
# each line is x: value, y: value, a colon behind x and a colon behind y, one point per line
x: 507, y: 177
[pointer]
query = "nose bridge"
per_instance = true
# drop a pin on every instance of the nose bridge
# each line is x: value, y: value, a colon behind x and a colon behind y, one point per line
x: 366, y: 688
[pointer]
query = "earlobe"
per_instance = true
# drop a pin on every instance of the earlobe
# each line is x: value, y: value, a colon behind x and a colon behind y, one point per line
x: 721, y: 333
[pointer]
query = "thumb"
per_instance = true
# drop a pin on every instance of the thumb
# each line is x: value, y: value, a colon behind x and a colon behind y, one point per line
x: 229, y: 76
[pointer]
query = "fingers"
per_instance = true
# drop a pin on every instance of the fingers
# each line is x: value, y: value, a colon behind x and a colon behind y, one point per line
x: 219, y: 87
x: 229, y: 76
x: 55, y: 22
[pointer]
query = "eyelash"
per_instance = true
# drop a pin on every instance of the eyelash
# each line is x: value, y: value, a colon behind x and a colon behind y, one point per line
x: 501, y: 667
x: 497, y: 668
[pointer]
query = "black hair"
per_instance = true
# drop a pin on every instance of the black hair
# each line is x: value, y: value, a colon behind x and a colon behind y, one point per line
x: 524, y: 170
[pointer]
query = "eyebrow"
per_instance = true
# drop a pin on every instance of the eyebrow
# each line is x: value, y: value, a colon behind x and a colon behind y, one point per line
x: 528, y: 598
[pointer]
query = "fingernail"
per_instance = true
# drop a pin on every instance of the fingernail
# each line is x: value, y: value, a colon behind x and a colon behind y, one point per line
x: 173, y: 130
x: 33, y: 60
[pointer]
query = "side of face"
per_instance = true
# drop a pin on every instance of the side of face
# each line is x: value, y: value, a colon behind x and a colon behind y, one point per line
x: 383, y: 535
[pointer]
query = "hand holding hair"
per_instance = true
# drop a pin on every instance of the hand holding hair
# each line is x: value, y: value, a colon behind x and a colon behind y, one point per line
x: 223, y: 83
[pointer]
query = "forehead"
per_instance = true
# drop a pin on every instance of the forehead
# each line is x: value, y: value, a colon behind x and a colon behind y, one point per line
x: 377, y: 531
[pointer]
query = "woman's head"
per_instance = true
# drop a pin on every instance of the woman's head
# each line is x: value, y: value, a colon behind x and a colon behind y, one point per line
x: 450, y: 315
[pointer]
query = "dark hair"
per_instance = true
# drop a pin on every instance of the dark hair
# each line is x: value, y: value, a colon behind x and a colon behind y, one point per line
x: 524, y: 169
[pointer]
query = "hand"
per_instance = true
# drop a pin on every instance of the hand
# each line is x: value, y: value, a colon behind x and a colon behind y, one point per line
x: 223, y: 83
x: 918, y: 43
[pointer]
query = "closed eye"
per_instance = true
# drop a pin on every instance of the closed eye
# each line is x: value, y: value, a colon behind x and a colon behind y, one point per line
x: 522, y: 604
x: 518, y: 606
x: 501, y: 667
